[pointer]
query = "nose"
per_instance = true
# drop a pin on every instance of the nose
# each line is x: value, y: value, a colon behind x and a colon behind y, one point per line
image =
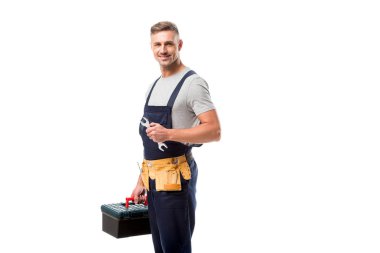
x: 163, y: 49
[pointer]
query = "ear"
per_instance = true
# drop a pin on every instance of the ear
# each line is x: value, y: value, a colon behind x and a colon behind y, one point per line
x: 180, y: 43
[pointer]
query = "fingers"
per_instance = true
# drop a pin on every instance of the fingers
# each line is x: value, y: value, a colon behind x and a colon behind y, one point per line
x: 135, y: 196
x: 141, y: 199
x: 138, y: 199
x: 138, y: 195
x: 151, y: 133
x: 156, y: 132
x: 152, y: 127
x: 144, y: 199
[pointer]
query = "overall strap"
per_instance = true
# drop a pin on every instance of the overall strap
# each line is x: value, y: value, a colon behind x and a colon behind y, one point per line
x: 178, y: 88
x: 150, y: 93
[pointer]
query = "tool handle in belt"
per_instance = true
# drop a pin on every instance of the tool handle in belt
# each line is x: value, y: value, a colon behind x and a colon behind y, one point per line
x: 132, y: 199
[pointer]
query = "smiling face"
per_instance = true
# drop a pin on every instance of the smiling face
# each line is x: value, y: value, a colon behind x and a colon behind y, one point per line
x: 166, y: 46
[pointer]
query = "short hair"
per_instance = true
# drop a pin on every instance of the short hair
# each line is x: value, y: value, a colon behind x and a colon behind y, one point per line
x: 164, y: 26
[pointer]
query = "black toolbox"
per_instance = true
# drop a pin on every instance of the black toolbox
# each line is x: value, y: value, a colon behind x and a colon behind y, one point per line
x: 124, y: 220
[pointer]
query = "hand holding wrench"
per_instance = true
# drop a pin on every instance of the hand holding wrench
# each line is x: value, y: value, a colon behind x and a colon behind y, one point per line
x: 146, y: 124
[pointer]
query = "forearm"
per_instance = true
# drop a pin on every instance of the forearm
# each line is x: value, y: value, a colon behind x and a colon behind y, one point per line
x: 206, y: 132
x: 139, y: 181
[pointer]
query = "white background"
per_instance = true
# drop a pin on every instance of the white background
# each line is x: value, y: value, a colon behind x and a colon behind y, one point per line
x: 296, y: 87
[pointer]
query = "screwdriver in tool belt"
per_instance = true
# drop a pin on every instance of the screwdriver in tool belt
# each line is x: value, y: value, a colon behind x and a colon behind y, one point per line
x: 138, y: 166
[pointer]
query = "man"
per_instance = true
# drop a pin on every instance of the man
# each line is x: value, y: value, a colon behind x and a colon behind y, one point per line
x: 178, y: 115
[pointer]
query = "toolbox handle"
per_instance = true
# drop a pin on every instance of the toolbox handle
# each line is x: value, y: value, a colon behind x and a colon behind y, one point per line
x: 132, y: 200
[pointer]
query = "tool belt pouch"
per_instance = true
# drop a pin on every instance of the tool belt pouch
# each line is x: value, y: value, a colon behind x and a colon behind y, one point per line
x: 168, y: 178
x: 167, y: 175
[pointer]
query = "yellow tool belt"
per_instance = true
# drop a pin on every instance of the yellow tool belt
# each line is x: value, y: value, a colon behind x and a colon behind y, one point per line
x: 166, y: 172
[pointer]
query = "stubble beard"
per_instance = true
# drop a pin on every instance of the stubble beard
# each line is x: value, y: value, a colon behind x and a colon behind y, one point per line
x: 169, y: 64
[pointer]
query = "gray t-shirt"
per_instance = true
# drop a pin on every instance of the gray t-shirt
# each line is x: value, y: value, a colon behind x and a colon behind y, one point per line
x: 192, y: 100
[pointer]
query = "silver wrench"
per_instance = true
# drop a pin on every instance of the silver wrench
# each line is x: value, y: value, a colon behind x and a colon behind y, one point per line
x: 146, y: 124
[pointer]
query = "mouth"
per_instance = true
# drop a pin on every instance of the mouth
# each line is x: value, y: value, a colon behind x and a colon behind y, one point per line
x: 164, y: 57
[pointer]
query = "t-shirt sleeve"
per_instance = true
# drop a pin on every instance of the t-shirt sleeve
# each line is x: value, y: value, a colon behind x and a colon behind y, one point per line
x: 198, y: 96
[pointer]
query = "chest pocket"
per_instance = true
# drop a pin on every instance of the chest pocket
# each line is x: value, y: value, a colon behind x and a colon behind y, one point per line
x: 159, y: 114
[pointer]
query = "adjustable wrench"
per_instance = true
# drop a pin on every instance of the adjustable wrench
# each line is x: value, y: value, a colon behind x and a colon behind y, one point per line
x: 146, y: 124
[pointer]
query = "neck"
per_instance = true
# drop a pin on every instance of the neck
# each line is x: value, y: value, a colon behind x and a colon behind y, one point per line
x: 176, y: 67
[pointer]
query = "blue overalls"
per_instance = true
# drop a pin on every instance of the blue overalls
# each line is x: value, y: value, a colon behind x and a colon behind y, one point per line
x: 171, y: 213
